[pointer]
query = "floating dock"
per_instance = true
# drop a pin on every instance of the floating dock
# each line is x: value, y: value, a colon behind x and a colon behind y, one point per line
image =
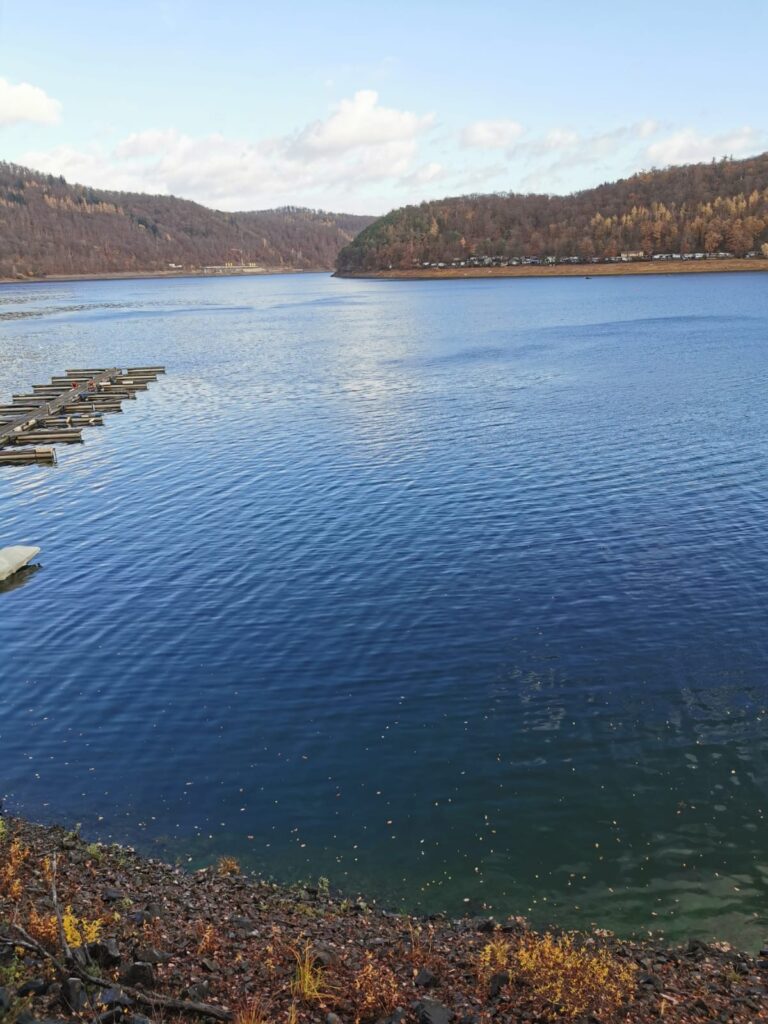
x: 56, y: 413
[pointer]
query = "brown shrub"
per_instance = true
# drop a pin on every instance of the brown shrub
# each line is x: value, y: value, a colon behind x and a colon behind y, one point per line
x: 570, y: 980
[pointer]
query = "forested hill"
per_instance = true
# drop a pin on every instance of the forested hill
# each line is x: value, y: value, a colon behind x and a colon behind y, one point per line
x: 48, y: 226
x: 695, y: 208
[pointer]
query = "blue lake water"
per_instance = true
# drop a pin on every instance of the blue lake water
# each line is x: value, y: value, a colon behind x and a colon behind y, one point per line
x: 452, y: 592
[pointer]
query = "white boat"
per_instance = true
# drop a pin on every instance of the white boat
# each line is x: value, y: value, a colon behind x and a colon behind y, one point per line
x: 15, y: 558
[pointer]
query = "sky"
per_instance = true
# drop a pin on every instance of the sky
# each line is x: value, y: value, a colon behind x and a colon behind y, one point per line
x: 360, y: 107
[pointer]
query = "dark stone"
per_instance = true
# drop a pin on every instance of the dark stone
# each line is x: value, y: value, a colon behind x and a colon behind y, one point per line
x: 323, y: 955
x: 150, y: 955
x: 73, y: 995
x: 333, y: 1018
x: 515, y: 924
x: 154, y: 909
x: 396, y: 1017
x: 486, y: 924
x: 5, y: 1000
x: 764, y: 951
x: 652, y: 981
x: 109, y: 1016
x: 138, y: 1018
x: 243, y: 924
x: 497, y: 983
x: 26, y: 1017
x: 198, y: 992
x: 115, y: 997
x: 105, y: 952
x: 426, y: 979
x: 139, y: 917
x: 697, y: 949
x: 139, y: 975
x: 80, y: 956
x: 429, y: 1011
x: 208, y: 964
x: 36, y: 987
x: 111, y: 895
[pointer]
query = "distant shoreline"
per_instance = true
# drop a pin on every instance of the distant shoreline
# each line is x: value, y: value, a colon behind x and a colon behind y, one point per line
x: 137, y: 275
x: 430, y: 274
x: 567, y: 270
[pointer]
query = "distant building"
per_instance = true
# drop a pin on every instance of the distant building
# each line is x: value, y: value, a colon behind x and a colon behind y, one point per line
x: 627, y: 257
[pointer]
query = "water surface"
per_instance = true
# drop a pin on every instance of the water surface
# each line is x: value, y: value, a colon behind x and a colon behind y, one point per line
x: 451, y: 592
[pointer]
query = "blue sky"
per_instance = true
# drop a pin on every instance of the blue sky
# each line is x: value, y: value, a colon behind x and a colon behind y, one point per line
x: 362, y: 107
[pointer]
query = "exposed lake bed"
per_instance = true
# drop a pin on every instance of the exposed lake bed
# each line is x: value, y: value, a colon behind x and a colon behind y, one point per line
x: 217, y: 944
x: 451, y: 593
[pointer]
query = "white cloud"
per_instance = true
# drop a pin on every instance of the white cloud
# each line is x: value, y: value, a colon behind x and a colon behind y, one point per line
x: 329, y: 163
x: 491, y: 134
x: 423, y: 175
x: 688, y: 146
x: 143, y: 144
x: 543, y: 161
x: 561, y: 138
x: 366, y: 157
x: 647, y: 128
x: 25, y: 102
x: 360, y: 121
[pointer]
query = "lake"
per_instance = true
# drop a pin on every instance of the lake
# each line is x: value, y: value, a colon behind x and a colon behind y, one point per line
x: 453, y: 593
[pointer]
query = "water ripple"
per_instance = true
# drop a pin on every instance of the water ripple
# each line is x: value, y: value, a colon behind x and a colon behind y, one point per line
x: 452, y: 593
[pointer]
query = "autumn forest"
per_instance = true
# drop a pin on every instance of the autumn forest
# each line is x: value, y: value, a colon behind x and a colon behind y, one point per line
x: 710, y: 207
x: 48, y: 226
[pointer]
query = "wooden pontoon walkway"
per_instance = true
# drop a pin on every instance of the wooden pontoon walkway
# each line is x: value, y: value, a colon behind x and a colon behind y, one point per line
x: 55, y: 413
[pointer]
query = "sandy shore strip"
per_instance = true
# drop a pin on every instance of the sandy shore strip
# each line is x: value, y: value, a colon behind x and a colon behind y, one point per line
x: 569, y: 270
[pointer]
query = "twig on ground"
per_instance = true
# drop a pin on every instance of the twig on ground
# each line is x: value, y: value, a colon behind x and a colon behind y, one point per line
x: 150, y: 999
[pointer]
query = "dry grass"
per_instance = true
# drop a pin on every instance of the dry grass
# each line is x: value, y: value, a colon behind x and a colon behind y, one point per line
x: 209, y: 939
x: 43, y: 928
x: 495, y: 956
x: 227, y: 866
x: 308, y: 983
x: 570, y: 980
x: 77, y: 930
x: 252, y: 1011
x: 375, y: 990
x: 13, y: 861
x: 421, y: 945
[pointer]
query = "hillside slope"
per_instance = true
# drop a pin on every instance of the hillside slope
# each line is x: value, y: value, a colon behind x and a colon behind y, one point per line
x: 48, y: 226
x: 698, y: 207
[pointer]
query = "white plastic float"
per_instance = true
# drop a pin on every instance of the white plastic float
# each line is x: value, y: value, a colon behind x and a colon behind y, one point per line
x: 15, y: 558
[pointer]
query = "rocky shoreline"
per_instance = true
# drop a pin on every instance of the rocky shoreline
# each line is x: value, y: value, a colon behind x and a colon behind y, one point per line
x: 99, y: 933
